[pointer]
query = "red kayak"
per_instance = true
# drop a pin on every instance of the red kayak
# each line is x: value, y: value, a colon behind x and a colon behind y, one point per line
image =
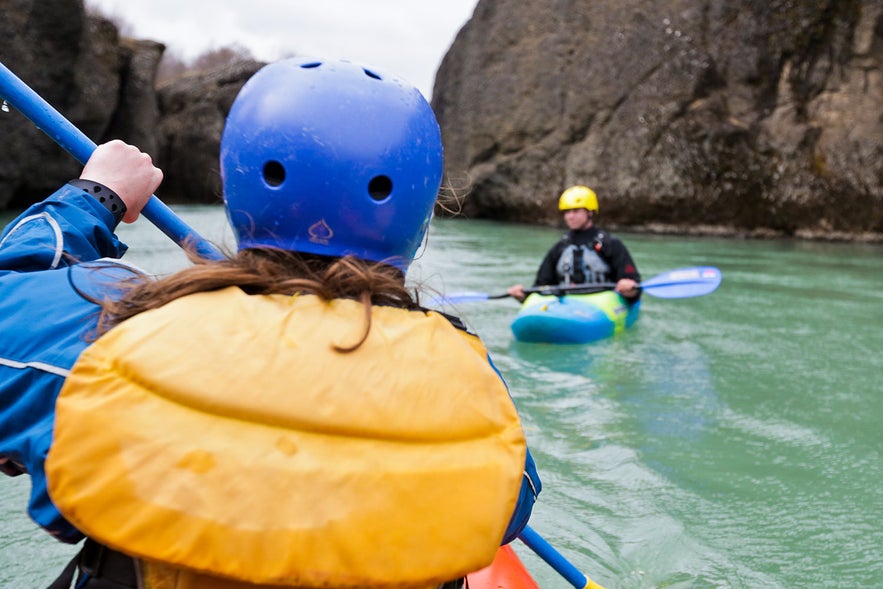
x: 506, y: 572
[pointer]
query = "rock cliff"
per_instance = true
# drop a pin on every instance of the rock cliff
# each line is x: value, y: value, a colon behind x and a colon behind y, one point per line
x: 710, y: 116
x: 105, y: 85
x: 73, y: 62
x: 194, y: 108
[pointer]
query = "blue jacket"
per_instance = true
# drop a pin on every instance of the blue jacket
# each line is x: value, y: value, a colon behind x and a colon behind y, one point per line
x: 54, y: 258
x: 45, y: 318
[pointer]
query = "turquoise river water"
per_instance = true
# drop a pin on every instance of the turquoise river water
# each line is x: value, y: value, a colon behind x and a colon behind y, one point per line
x: 725, y: 441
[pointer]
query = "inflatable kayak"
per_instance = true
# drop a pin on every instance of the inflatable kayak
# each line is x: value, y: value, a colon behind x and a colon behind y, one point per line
x: 506, y: 572
x: 573, y: 318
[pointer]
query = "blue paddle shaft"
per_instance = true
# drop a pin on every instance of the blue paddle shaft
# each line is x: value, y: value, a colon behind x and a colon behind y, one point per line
x: 20, y: 96
x: 554, y: 558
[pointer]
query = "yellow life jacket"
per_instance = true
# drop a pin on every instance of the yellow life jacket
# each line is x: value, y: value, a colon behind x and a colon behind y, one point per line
x: 223, y: 434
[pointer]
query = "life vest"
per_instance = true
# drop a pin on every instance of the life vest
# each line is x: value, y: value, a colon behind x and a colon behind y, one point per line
x: 581, y: 264
x: 222, y: 435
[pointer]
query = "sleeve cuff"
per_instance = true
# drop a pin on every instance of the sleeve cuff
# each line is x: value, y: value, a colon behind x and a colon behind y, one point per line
x: 104, y: 195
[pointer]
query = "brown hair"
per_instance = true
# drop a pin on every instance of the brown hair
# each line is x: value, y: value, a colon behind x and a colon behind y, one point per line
x: 261, y: 271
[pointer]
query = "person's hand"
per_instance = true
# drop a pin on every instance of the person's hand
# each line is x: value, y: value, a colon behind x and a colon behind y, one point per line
x: 516, y: 291
x: 627, y: 288
x: 126, y: 170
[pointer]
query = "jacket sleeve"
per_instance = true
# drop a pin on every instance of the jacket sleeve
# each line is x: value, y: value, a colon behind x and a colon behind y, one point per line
x: 620, y: 260
x: 70, y: 226
x: 35, y: 355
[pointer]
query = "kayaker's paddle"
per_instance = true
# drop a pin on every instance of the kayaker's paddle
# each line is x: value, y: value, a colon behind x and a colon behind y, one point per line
x: 20, y: 96
x: 674, y: 284
x: 556, y: 560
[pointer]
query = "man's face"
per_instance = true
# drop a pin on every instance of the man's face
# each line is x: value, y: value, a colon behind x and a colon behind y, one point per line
x: 578, y: 219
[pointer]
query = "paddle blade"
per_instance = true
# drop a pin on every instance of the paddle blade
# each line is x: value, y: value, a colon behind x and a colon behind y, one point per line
x: 684, y: 282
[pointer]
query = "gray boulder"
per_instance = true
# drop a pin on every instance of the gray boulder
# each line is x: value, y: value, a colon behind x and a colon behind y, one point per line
x: 699, y: 116
x: 74, y: 63
x: 105, y: 86
x: 194, y: 108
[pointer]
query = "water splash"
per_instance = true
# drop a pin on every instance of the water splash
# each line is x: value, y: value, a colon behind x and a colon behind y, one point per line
x: 4, y: 107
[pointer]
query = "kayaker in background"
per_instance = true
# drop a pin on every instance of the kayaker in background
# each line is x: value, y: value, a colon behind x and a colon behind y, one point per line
x: 585, y: 254
x: 288, y: 415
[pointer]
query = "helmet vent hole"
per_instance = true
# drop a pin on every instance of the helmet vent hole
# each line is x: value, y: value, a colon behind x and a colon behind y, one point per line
x: 274, y: 173
x: 380, y: 187
x: 311, y: 65
x: 371, y: 74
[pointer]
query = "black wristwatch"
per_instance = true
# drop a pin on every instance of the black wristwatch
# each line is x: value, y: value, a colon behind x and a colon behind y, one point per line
x: 107, y: 197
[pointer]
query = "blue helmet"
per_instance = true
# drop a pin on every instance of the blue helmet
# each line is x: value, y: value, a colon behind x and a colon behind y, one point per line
x: 331, y: 158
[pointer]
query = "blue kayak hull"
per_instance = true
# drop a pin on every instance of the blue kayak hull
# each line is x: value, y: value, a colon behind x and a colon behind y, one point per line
x: 573, y: 319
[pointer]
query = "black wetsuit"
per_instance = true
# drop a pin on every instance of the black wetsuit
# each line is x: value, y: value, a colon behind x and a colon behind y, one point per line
x: 586, y: 256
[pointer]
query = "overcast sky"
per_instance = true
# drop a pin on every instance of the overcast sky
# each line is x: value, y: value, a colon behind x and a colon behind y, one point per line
x: 407, y: 38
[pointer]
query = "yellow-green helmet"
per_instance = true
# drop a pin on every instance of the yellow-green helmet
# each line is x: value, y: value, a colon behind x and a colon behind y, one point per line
x: 578, y: 197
